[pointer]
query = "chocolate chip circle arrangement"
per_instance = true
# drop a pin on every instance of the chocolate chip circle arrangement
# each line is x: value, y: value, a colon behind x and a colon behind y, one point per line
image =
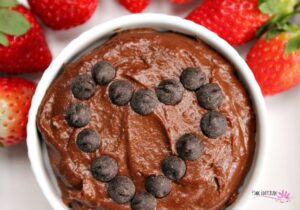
x: 121, y: 189
x: 148, y: 120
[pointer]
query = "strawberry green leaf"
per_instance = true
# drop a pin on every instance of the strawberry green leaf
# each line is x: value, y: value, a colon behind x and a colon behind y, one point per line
x: 13, y: 23
x: 3, y: 40
x: 8, y: 3
x: 261, y: 1
x: 277, y: 6
x: 271, y: 23
x: 264, y: 28
x: 1, y: 145
x: 279, y: 22
x: 292, y: 28
x: 292, y: 45
x: 273, y: 32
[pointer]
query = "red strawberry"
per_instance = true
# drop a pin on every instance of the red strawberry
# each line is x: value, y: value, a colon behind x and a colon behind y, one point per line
x: 15, y: 100
x: 63, y: 14
x: 236, y: 21
x: 23, y: 52
x: 181, y: 1
x: 135, y: 6
x: 275, y: 62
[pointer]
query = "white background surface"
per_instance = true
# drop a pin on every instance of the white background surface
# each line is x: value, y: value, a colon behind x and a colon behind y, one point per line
x: 19, y: 190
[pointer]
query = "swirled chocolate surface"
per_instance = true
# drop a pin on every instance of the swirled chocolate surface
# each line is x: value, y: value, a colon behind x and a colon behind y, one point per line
x: 138, y: 143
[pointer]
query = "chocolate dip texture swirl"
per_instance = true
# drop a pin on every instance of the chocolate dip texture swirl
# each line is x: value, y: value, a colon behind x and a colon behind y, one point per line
x: 139, y: 144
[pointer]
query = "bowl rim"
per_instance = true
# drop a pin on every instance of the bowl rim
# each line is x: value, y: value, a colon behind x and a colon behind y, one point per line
x: 157, y: 21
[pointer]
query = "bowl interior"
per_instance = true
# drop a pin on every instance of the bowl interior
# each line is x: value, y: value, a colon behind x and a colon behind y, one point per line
x: 97, y: 35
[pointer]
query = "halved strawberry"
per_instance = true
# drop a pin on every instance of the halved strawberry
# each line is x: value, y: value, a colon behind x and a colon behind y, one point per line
x: 15, y: 100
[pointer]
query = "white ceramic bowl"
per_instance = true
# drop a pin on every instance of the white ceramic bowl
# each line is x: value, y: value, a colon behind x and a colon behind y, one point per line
x: 100, y: 33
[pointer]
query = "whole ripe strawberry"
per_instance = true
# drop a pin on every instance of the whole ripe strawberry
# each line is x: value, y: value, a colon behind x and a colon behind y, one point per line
x: 15, y: 100
x: 63, y: 14
x: 135, y: 6
x: 22, y: 43
x: 275, y: 60
x: 236, y: 21
x: 181, y: 1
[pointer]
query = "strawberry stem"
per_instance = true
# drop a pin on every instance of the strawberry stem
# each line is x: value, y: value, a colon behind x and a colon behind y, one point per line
x: 278, y: 22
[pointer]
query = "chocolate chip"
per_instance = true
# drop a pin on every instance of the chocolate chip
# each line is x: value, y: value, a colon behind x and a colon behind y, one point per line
x: 121, y: 189
x: 210, y: 96
x: 103, y: 72
x: 213, y: 124
x: 78, y: 115
x: 83, y: 87
x: 189, y: 147
x: 88, y: 140
x: 169, y: 92
x: 104, y: 168
x: 173, y: 167
x: 192, y: 78
x: 143, y: 201
x: 144, y: 101
x: 159, y: 186
x: 120, y: 92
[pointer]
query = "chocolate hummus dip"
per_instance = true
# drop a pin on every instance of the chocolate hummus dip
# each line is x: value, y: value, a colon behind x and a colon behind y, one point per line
x: 148, y: 120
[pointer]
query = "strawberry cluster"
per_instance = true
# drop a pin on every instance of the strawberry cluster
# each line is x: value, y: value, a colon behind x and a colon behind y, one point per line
x: 275, y: 57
